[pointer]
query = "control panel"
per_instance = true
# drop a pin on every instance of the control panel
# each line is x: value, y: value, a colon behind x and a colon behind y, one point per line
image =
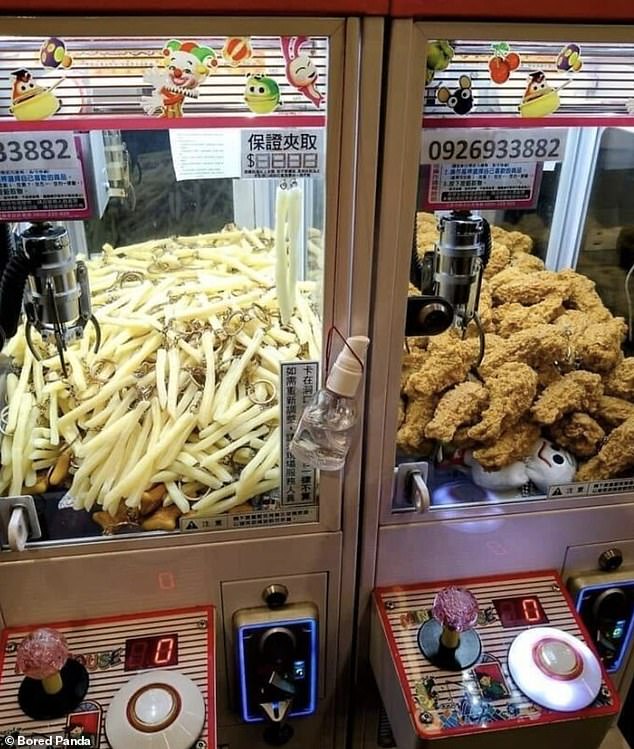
x: 475, y: 658
x: 112, y: 683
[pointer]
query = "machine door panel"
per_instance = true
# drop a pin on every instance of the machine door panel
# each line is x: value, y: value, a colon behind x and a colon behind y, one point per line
x: 513, y: 384
x: 179, y: 190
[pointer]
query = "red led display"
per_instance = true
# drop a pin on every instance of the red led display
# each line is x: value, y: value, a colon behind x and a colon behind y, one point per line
x: 521, y: 611
x: 151, y: 652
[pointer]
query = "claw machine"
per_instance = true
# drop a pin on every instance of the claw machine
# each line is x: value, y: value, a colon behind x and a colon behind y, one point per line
x: 179, y: 241
x: 497, y: 545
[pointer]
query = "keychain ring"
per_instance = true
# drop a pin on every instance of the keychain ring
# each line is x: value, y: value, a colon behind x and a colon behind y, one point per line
x: 158, y: 266
x: 4, y: 420
x: 237, y: 315
x: 130, y: 278
x: 232, y: 457
x: 268, y: 398
x: 179, y: 486
x: 197, y: 375
x: 261, y: 313
x: 96, y: 368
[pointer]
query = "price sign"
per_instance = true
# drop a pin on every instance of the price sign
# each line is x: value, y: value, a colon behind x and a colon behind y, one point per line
x: 282, y: 154
x: 478, y: 146
x: 41, y: 177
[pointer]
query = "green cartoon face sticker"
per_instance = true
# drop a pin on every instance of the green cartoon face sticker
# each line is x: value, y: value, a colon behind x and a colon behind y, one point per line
x: 261, y: 94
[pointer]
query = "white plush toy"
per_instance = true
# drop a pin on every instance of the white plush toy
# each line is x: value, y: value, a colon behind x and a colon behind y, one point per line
x: 545, y: 466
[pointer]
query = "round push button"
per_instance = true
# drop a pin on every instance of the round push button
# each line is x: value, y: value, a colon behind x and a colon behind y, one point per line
x: 154, y: 707
x: 557, y: 659
x: 156, y: 710
x: 555, y: 669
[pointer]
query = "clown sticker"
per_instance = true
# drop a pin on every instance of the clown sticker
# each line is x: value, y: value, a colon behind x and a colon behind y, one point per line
x: 300, y: 69
x: 186, y: 65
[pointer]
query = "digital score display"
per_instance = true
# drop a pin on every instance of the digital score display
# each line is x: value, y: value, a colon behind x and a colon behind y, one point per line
x: 142, y: 653
x: 520, y: 611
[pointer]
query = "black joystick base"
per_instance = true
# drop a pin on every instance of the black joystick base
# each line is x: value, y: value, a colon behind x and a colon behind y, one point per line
x: 278, y: 735
x: 39, y: 705
x: 465, y: 655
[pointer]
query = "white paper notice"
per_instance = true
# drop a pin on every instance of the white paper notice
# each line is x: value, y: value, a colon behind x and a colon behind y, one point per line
x: 205, y: 154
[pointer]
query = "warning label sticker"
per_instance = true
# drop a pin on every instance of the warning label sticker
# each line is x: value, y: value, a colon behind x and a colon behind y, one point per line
x: 611, y: 486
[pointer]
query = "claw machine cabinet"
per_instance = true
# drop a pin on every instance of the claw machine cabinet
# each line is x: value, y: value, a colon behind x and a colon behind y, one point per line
x: 179, y: 222
x: 501, y: 474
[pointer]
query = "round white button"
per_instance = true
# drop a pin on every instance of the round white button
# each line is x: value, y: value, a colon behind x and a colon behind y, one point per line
x: 156, y: 710
x: 557, y: 658
x: 154, y: 706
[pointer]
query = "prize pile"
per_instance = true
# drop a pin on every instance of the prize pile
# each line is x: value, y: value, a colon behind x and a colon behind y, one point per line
x: 177, y: 412
x: 553, y: 368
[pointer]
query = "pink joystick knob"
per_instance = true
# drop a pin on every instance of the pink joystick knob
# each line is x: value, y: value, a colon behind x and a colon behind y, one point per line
x: 54, y: 684
x: 448, y: 639
x: 42, y: 655
x: 457, y: 610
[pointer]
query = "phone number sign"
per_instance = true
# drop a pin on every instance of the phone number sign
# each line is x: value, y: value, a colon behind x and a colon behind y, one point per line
x: 478, y: 146
x: 282, y: 154
x: 41, y: 177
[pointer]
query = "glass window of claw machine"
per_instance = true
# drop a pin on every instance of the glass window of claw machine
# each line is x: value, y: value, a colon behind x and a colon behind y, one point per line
x: 517, y: 363
x: 168, y: 205
x: 503, y: 301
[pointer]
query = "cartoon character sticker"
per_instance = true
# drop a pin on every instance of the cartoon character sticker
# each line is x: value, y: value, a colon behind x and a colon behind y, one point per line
x: 84, y: 723
x: 53, y: 54
x: 300, y: 69
x: 186, y: 65
x: 426, y: 694
x: 261, y: 94
x: 414, y: 618
x: 237, y: 50
x: 461, y: 100
x: 503, y: 63
x: 569, y: 59
x: 491, y: 682
x: 539, y: 99
x: 30, y: 101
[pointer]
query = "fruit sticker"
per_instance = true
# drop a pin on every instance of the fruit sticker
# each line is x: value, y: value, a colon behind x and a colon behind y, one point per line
x: 439, y: 55
x: 53, y: 54
x: 461, y: 100
x: 502, y: 63
x: 539, y: 98
x: 261, y: 94
x: 569, y: 59
x: 237, y: 50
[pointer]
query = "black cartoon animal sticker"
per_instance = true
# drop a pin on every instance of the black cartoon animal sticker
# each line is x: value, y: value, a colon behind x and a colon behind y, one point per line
x: 461, y: 100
